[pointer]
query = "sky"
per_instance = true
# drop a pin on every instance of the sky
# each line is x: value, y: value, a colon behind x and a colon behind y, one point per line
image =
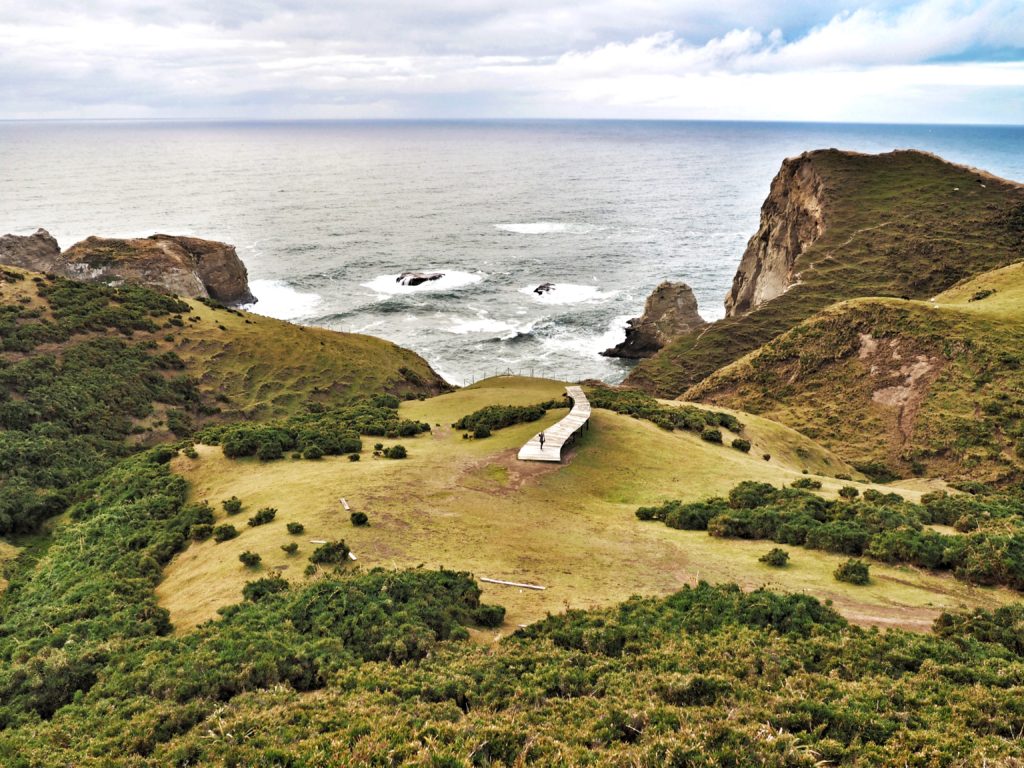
x: 911, y: 61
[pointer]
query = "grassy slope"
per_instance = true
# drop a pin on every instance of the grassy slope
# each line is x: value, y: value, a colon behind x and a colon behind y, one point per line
x: 900, y: 224
x: 471, y: 505
x: 964, y: 419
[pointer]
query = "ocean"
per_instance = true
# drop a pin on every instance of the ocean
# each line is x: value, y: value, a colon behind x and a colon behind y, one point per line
x: 327, y: 215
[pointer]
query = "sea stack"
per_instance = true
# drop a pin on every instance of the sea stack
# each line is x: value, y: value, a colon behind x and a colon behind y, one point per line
x: 669, y: 311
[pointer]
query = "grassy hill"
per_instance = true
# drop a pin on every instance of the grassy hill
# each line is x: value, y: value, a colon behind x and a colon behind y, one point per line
x: 88, y: 373
x: 899, y: 224
x: 904, y: 387
x: 470, y: 505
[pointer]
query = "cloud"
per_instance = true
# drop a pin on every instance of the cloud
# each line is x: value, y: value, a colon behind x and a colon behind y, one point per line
x: 930, y: 60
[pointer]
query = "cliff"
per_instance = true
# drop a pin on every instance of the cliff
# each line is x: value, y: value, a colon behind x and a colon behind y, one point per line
x: 843, y: 225
x: 669, y: 311
x: 185, y: 266
x: 792, y: 219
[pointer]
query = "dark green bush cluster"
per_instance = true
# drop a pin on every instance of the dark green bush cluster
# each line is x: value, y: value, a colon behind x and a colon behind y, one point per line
x: 359, y: 518
x: 493, y: 417
x: 331, y: 553
x: 396, y: 451
x: 250, y: 559
x: 263, y: 516
x: 224, y: 533
x: 295, y: 528
x: 232, y: 506
x: 879, y: 525
x: 643, y: 406
x: 807, y: 483
x: 314, y: 434
x: 775, y: 557
x: 853, y: 572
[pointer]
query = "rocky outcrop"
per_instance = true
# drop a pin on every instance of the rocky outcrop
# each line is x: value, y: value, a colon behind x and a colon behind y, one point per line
x: 418, y: 278
x: 671, y: 310
x: 38, y: 252
x: 187, y: 266
x: 792, y: 219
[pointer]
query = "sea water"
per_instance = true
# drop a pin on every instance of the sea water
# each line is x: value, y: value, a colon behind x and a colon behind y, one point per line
x: 327, y: 216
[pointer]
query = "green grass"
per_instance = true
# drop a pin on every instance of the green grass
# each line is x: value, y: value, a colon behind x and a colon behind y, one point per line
x: 962, y: 420
x: 900, y: 224
x: 470, y: 505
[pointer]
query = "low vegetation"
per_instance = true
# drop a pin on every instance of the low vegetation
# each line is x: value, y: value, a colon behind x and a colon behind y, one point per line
x: 642, y: 406
x: 483, y: 422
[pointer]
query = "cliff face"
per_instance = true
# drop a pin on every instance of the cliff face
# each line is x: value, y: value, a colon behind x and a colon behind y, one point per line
x: 186, y: 266
x: 669, y: 311
x: 792, y: 219
x: 38, y: 252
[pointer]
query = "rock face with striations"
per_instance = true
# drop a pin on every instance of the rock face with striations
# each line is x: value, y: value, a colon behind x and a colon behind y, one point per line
x: 186, y: 266
x: 38, y: 252
x: 669, y: 311
x: 791, y: 220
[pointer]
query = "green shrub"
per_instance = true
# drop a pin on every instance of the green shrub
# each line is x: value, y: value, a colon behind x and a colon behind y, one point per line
x: 493, y: 417
x: 396, y: 452
x: 313, y: 452
x: 295, y: 528
x: 353, y: 457
x: 489, y: 615
x: 224, y: 533
x: 254, y: 591
x: 853, y: 572
x: 777, y: 558
x: 263, y: 516
x: 807, y: 483
x: 848, y: 492
x: 331, y: 553
x: 232, y: 506
x: 711, y: 435
x: 741, y: 445
x: 290, y: 548
x: 359, y: 518
x: 481, y: 432
x: 250, y: 559
x: 200, y: 532
x: 269, y: 450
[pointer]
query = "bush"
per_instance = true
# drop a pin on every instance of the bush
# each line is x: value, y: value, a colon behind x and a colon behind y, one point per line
x: 848, y: 492
x: 807, y: 483
x: 313, y: 452
x: 396, y: 452
x: 232, y: 506
x: 295, y: 528
x: 263, y: 517
x: 200, y: 532
x: 766, y: 456
x: 775, y: 557
x: 269, y: 450
x: 250, y: 559
x: 331, y: 553
x: 853, y: 572
x: 481, y: 432
x: 254, y: 591
x: 712, y: 435
x: 290, y: 548
x: 353, y: 457
x: 224, y: 532
x: 489, y: 615
x: 359, y: 518
x: 741, y: 445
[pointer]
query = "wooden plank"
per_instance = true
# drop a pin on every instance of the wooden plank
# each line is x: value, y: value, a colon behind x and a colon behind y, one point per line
x: 345, y: 504
x: 511, y: 583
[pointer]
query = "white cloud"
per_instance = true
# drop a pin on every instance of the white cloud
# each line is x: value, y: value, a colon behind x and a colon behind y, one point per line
x: 930, y: 60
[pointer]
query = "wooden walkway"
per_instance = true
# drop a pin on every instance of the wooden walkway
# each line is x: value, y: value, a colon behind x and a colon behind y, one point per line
x: 558, y: 436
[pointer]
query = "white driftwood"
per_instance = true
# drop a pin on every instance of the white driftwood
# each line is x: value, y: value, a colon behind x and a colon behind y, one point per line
x: 511, y: 583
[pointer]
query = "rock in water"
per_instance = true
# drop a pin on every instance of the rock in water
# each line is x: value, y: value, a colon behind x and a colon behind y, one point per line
x: 38, y: 252
x: 186, y: 266
x: 791, y: 220
x: 670, y: 310
x: 418, y: 278
x: 540, y: 290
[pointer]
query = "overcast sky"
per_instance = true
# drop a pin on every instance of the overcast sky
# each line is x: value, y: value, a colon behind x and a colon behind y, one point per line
x: 950, y: 61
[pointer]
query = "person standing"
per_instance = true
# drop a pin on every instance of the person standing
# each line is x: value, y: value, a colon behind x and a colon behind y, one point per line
x: 541, y: 438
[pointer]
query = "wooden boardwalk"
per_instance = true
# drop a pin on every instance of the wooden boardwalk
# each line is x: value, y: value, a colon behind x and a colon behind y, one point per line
x: 558, y: 436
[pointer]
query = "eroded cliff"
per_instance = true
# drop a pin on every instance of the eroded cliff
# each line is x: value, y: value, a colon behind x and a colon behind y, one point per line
x: 669, y: 311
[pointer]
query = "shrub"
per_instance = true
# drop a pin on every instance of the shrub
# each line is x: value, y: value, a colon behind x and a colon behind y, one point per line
x: 353, y: 457
x: 232, y: 506
x: 224, y: 532
x: 775, y: 557
x: 741, y: 445
x: 269, y: 450
x: 190, y: 452
x: 378, y: 446
x: 254, y: 591
x: 263, y: 517
x: 853, y: 572
x: 489, y: 615
x: 331, y: 553
x: 290, y: 548
x: 295, y: 528
x: 712, y: 435
x: 848, y: 492
x: 396, y: 452
x: 313, y: 452
x: 766, y: 456
x: 250, y: 559
x: 481, y: 432
x: 163, y: 454
x: 200, y: 532
x: 359, y: 518
x: 807, y: 483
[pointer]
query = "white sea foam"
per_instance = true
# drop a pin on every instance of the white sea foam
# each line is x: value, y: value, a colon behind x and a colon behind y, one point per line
x: 593, y: 344
x: 452, y: 279
x: 484, y: 324
x: 545, y: 228
x: 568, y: 293
x: 275, y: 298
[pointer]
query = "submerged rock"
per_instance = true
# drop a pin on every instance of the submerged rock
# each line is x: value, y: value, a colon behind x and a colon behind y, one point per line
x: 418, y: 278
x: 543, y: 288
x: 671, y: 310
